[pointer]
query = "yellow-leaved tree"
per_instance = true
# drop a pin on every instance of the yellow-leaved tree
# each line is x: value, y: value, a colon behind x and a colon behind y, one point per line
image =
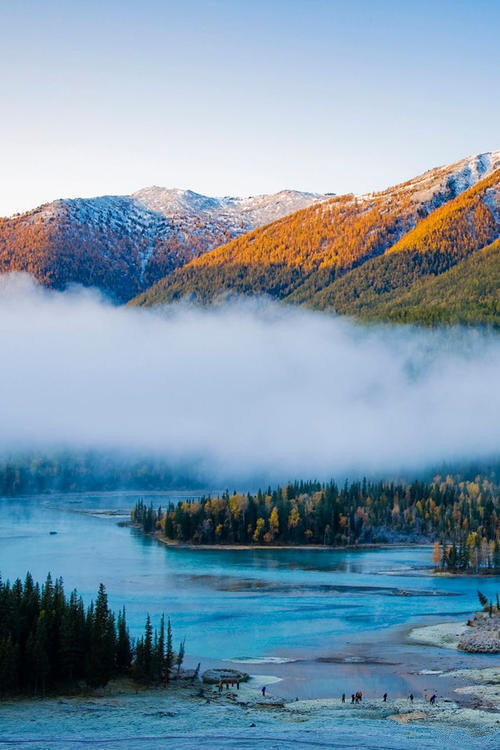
x: 259, y: 528
x: 274, y: 522
x: 436, y: 554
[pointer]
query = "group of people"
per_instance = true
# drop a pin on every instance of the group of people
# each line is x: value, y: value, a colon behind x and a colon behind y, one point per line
x: 228, y: 683
x: 355, y: 697
x: 358, y: 697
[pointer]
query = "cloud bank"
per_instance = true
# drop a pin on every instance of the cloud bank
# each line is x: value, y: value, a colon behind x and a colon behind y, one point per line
x: 246, y: 388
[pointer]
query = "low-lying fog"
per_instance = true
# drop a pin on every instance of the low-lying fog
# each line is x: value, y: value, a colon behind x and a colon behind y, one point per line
x: 251, y: 387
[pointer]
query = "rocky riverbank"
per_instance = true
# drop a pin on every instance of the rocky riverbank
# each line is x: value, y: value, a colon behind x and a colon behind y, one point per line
x: 481, y: 634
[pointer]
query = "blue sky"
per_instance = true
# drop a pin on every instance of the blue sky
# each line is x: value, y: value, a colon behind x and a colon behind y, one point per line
x: 240, y: 96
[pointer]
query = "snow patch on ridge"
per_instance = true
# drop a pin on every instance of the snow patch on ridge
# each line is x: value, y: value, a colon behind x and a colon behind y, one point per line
x: 491, y: 198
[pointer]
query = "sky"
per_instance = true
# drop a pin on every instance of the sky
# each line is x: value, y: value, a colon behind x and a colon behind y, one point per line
x: 240, y: 97
x: 230, y: 388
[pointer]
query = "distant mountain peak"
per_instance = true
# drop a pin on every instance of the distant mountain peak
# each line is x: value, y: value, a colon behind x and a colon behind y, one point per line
x: 170, y: 201
x: 124, y: 243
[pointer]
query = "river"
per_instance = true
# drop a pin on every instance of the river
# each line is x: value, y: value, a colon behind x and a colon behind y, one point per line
x: 309, y: 623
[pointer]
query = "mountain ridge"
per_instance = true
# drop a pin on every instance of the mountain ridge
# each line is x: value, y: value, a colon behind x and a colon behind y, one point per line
x: 123, y: 244
x: 359, y: 255
x: 298, y: 256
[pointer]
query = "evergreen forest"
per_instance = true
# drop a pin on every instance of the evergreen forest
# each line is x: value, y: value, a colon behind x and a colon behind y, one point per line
x: 50, y: 642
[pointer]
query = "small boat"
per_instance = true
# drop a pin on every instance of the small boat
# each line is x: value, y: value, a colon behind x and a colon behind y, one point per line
x: 52, y: 532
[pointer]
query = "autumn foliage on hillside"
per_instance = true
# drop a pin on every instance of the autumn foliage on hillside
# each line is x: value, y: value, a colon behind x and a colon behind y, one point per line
x: 451, y: 233
x: 328, y: 237
x: 118, y: 259
x: 56, y: 255
x: 469, y: 222
x: 345, y: 252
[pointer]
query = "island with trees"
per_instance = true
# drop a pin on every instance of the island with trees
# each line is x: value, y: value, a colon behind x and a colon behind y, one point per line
x: 460, y: 517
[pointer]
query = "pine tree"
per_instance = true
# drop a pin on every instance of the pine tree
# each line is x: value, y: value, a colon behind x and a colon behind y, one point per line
x: 72, y: 639
x: 147, y: 657
x: 161, y: 648
x: 102, y: 642
x: 123, y: 646
x: 169, y: 654
x: 180, y: 656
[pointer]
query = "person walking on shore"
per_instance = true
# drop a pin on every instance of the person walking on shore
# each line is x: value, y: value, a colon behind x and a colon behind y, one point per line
x: 263, y: 691
x: 411, y: 697
x: 432, y: 700
x: 353, y: 698
x: 343, y: 697
x: 385, y: 697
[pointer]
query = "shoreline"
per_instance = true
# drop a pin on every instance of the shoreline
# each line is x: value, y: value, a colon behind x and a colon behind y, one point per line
x: 172, y: 544
x: 430, y: 570
x: 483, y: 716
x: 469, y: 699
x: 440, y: 635
x: 480, y: 634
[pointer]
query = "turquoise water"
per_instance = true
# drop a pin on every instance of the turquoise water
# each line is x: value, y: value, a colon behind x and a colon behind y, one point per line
x: 320, y: 622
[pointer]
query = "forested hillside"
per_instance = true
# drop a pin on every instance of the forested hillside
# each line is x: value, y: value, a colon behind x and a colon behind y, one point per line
x: 123, y: 244
x: 448, y: 236
x: 370, y: 256
x: 468, y: 293
x: 355, y: 255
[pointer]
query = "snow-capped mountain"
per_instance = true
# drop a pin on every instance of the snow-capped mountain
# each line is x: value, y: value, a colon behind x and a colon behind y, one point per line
x: 123, y: 244
x: 302, y: 255
x: 234, y: 212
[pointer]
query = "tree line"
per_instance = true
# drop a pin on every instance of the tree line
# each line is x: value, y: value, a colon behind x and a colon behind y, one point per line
x: 462, y: 516
x: 65, y: 471
x: 50, y: 641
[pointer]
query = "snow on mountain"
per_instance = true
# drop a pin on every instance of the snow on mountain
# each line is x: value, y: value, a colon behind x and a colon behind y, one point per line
x: 134, y: 239
x: 150, y: 207
x: 124, y: 244
x: 442, y: 183
x: 300, y: 254
x: 237, y: 213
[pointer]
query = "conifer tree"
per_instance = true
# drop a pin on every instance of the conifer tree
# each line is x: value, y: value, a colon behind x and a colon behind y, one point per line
x: 180, y: 655
x: 161, y: 647
x: 147, y: 656
x: 102, y: 642
x: 169, y: 654
x: 123, y: 646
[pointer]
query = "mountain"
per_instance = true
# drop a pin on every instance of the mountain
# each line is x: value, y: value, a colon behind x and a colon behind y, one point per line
x: 354, y: 254
x: 123, y: 244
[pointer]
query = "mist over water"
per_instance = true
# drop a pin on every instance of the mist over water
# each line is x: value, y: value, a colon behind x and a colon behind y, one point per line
x: 245, y: 388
